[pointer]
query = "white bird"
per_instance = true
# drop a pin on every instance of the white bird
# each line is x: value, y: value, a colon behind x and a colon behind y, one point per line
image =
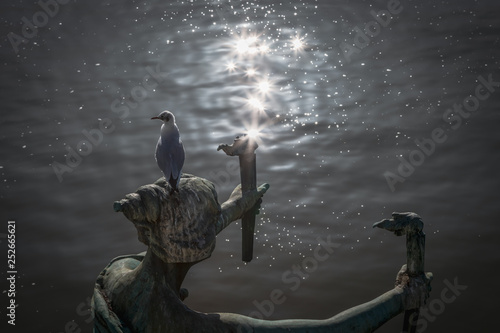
x: 169, y: 149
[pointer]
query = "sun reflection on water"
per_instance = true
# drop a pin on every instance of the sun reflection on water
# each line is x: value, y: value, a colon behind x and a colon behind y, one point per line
x: 298, y: 44
x: 264, y: 86
x: 250, y: 72
x: 253, y: 133
x: 231, y: 66
x: 250, y: 56
x: 247, y: 46
x: 256, y: 130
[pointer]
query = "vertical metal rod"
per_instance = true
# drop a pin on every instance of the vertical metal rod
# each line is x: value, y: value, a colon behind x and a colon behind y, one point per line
x: 244, y: 147
x: 415, y: 254
x: 410, y: 224
x: 248, y: 173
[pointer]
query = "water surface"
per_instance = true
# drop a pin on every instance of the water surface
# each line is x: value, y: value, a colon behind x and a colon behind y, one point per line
x: 331, y: 129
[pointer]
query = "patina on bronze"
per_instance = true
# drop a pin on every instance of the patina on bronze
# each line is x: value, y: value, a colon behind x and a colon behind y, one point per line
x: 142, y: 293
x: 411, y: 225
x: 244, y: 147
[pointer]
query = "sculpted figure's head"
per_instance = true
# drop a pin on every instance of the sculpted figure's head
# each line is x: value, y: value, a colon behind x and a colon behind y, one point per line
x: 178, y: 227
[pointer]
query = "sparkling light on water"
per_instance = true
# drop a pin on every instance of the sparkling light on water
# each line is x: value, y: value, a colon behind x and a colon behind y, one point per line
x: 253, y: 133
x: 250, y: 50
x: 247, y: 45
x: 298, y: 44
x: 264, y: 86
x: 271, y: 65
x: 255, y: 103
x: 250, y: 72
x: 230, y: 66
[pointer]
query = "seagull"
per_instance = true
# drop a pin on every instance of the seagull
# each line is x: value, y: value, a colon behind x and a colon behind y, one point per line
x: 169, y: 150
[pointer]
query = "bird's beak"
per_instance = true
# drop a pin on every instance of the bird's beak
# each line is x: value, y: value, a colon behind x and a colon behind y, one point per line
x: 155, y: 118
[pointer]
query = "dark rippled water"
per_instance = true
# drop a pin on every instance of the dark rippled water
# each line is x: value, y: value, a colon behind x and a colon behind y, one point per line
x: 332, y: 130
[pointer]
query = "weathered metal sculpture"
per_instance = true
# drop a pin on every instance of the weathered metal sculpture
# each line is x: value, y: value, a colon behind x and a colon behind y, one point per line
x: 411, y: 225
x: 142, y: 293
x: 244, y: 147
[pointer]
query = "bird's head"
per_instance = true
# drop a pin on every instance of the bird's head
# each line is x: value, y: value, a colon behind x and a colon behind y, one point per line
x: 166, y: 116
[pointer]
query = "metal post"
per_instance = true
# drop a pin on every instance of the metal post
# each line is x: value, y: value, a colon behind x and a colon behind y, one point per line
x: 244, y: 147
x: 411, y: 225
x: 415, y: 252
x: 248, y: 172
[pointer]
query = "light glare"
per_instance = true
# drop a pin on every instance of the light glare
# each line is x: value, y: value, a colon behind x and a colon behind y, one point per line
x: 230, y: 66
x: 297, y: 44
x: 256, y: 103
x: 253, y: 133
x: 264, y: 86
x: 250, y: 72
x: 247, y: 45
